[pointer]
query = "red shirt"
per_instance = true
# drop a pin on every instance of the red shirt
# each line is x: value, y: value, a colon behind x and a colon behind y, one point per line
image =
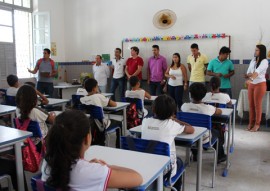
x: 132, y: 66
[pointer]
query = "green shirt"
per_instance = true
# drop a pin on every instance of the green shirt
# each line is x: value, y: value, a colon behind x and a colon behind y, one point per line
x: 224, y: 68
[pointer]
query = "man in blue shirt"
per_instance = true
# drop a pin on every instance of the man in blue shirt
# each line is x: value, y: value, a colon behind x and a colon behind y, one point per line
x: 222, y: 67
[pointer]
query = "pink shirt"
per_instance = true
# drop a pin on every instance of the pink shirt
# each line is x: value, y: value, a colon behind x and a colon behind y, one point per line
x: 157, y: 67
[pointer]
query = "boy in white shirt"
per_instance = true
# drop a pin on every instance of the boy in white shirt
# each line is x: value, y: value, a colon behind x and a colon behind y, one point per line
x: 215, y: 96
x: 164, y: 127
x: 96, y: 99
x: 198, y: 92
x: 13, y: 82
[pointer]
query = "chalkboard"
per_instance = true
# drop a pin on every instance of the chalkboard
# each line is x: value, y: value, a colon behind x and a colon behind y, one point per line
x: 209, y: 46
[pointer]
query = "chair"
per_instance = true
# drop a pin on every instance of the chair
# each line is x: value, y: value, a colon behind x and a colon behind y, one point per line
x: 10, y: 100
x: 139, y: 106
x: 153, y: 147
x: 97, y: 113
x: 8, y: 180
x: 201, y: 120
x: 76, y: 102
x: 38, y: 185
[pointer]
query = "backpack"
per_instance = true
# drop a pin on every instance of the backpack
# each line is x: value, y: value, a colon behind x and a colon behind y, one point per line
x: 133, y: 119
x: 97, y: 132
x: 31, y: 157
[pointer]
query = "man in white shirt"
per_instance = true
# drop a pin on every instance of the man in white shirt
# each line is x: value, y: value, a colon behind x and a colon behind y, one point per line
x: 101, y: 72
x: 118, y: 66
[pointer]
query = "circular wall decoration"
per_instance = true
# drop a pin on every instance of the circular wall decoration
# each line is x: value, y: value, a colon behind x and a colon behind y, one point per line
x: 164, y: 19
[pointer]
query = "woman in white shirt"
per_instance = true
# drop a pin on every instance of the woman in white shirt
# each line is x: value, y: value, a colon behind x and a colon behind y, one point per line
x: 64, y: 166
x: 177, y: 73
x: 256, y: 87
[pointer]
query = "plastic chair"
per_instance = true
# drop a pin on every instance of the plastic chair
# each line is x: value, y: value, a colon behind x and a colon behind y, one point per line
x: 97, y: 113
x: 153, y: 147
x: 8, y: 180
x: 10, y: 100
x: 201, y: 120
x: 77, y: 103
x: 139, y: 106
x: 38, y: 185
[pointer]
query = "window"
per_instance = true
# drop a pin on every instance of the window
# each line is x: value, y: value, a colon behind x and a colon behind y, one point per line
x: 6, y: 28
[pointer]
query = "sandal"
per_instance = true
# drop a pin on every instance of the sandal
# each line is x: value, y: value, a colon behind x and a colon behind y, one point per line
x: 249, y: 127
x: 255, y: 128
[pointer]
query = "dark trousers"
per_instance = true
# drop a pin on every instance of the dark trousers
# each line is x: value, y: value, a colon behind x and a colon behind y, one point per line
x: 176, y: 92
x: 227, y: 91
x: 118, y: 83
x: 45, y: 88
x: 155, y: 88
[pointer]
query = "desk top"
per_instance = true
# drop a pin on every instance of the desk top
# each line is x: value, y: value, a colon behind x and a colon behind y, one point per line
x: 151, y: 167
x: 107, y: 94
x: 53, y: 101
x: 66, y: 86
x: 198, y: 133
x: 120, y: 105
x: 151, y: 99
x: 9, y: 136
x: 226, y: 112
x: 6, y: 109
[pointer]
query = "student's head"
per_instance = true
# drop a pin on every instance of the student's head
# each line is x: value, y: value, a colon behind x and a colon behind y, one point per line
x: 13, y: 81
x: 117, y: 52
x: 91, y: 85
x: 176, y: 59
x: 164, y: 107
x: 134, y: 82
x: 66, y: 142
x: 30, y: 84
x: 197, y: 91
x: 194, y: 49
x: 98, y: 59
x: 224, y: 53
x: 215, y: 83
x: 260, y: 53
x: 26, y: 100
x: 134, y: 51
x: 84, y: 80
x: 46, y: 53
x: 155, y: 50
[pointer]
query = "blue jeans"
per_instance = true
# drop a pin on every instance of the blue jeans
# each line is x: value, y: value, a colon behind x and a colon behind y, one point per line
x: 115, y: 83
x: 45, y: 88
x: 155, y: 88
x: 227, y: 91
x: 176, y: 92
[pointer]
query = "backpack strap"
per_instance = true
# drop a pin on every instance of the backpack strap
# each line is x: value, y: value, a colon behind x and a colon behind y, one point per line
x: 22, y: 126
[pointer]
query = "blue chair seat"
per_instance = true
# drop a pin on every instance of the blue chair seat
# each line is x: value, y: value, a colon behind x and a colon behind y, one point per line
x: 179, y: 171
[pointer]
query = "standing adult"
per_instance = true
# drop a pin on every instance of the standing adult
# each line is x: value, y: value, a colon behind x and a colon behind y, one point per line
x: 197, y: 64
x: 46, y: 69
x: 223, y: 68
x: 101, y: 72
x: 118, y: 66
x: 157, y: 66
x: 256, y: 87
x: 177, y: 73
x: 134, y: 65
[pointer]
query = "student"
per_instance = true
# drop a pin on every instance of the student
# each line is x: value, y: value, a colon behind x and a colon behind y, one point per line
x: 136, y: 91
x: 13, y: 82
x: 198, y: 91
x: 215, y: 95
x: 26, y: 100
x: 82, y: 91
x: 94, y: 98
x: 42, y: 100
x: 164, y: 127
x: 64, y: 166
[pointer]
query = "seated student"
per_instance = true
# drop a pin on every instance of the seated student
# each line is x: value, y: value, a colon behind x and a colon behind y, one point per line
x: 136, y: 91
x: 82, y: 91
x: 97, y: 99
x: 164, y: 127
x: 64, y: 166
x: 13, y: 82
x: 198, y: 92
x: 42, y: 100
x: 216, y: 96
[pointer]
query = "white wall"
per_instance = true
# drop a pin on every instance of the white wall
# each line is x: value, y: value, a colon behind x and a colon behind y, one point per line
x: 95, y: 27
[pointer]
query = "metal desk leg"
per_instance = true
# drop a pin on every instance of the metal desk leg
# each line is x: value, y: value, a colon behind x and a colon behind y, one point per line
x: 12, y: 117
x: 63, y: 106
x: 160, y: 183
x: 199, y: 166
x: 225, y: 172
x: 125, y: 121
x: 233, y: 129
x: 19, y: 167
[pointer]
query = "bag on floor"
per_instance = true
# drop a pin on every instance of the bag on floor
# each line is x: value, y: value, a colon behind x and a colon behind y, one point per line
x: 133, y: 119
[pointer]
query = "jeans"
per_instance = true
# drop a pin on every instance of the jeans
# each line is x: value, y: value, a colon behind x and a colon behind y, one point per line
x: 155, y: 88
x: 176, y: 92
x: 45, y: 88
x: 115, y: 83
x: 190, y: 82
x: 227, y: 91
x: 102, y: 89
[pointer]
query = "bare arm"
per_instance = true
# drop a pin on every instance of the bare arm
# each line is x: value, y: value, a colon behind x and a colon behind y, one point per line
x: 188, y: 128
x: 231, y: 73
x: 205, y: 66
x: 148, y: 74
x: 184, y: 70
x: 33, y: 71
x: 51, y: 117
x: 126, y: 71
x: 218, y: 111
x: 210, y: 73
x: 44, y: 100
x: 139, y: 69
x: 112, y: 103
x: 189, y: 66
x: 147, y: 95
x: 54, y: 73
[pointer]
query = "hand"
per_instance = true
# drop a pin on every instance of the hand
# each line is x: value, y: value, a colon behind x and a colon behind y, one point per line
x: 226, y: 76
x: 128, y: 76
x: 162, y: 82
x: 29, y: 70
x: 248, y: 82
x: 218, y: 75
x: 173, y: 77
x: 185, y: 87
x: 246, y: 76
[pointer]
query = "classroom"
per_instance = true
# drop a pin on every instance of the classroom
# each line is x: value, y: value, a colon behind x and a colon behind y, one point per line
x: 134, y: 95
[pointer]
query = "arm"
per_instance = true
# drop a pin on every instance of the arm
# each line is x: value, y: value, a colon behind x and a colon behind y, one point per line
x: 51, y: 117
x: 147, y: 95
x: 231, y: 73
x: 210, y: 73
x: 189, y: 67
x: 112, y: 103
x: 184, y: 70
x: 44, y: 100
x: 188, y: 128
x: 54, y: 73
x: 124, y: 178
x: 126, y: 71
x: 205, y: 66
x: 107, y: 71
x: 218, y: 111
x: 148, y: 74
x: 33, y: 71
x: 139, y: 69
